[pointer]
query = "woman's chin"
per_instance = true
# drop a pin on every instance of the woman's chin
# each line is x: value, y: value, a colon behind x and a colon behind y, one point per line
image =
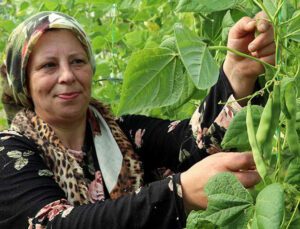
x: 64, y: 115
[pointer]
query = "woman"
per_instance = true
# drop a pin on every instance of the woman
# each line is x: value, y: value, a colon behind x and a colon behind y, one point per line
x: 66, y: 162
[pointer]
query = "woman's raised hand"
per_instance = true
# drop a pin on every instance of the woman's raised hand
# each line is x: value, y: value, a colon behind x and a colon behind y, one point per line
x: 253, y: 37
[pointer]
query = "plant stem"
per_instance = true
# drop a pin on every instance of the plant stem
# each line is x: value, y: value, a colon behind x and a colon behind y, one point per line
x: 294, y: 213
x: 262, y: 6
x: 260, y: 92
x: 290, y: 20
x: 224, y: 48
x: 290, y: 34
x: 108, y: 79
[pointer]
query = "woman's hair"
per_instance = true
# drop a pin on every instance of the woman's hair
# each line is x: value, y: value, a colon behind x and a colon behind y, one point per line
x: 19, y: 47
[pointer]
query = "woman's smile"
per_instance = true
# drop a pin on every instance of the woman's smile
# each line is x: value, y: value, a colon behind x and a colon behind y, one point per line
x: 68, y: 96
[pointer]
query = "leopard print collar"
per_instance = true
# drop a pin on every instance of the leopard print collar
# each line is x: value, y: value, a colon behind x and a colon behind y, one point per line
x: 68, y: 174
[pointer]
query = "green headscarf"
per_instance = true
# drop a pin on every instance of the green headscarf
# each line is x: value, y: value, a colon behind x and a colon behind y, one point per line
x: 20, y: 44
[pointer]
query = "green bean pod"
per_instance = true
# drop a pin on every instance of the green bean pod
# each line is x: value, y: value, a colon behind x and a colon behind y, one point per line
x: 256, y: 150
x: 269, y: 122
x: 265, y: 125
x: 291, y: 132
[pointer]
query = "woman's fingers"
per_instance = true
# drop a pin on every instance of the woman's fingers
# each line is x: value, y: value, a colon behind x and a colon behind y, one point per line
x: 262, y: 21
x: 262, y: 40
x: 238, y: 161
x: 265, y: 51
x: 242, y: 28
x: 248, y: 178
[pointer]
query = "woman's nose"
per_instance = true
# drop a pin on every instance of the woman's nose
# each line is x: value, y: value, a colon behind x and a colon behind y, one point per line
x: 66, y: 74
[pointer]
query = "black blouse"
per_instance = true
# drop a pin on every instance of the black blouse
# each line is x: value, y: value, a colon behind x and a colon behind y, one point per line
x: 27, y: 186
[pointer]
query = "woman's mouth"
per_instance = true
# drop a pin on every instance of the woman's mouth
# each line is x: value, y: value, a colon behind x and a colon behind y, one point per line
x: 68, y: 96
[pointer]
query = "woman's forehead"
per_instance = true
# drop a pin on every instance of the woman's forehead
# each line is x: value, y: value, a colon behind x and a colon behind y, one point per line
x: 54, y: 42
x: 59, y: 37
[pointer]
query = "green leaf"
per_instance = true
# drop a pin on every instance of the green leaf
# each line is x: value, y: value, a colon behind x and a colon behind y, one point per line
x: 153, y: 78
x: 293, y: 172
x: 103, y: 69
x: 227, y: 23
x: 170, y: 43
x: 205, y: 6
x: 136, y: 39
x: 7, y: 25
x: 199, y: 63
x: 189, y: 91
x: 98, y: 43
x: 293, y: 30
x: 270, y: 5
x: 194, y: 221
x: 269, y: 208
x: 212, y: 26
x: 236, y: 136
x: 230, y: 205
x: 51, y: 5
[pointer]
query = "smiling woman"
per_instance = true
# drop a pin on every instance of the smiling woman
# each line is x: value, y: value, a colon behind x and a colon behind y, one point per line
x: 68, y: 163
x: 60, y: 77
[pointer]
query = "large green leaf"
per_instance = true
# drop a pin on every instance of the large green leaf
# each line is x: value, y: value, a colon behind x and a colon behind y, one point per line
x: 194, y: 221
x: 294, y: 27
x: 205, y: 6
x: 227, y: 23
x: 136, y: 39
x: 269, y: 207
x: 236, y: 136
x: 199, y: 63
x: 212, y: 25
x: 230, y: 205
x: 153, y: 78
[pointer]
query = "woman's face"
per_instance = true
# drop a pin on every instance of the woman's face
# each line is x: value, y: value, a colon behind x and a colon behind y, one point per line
x: 60, y: 76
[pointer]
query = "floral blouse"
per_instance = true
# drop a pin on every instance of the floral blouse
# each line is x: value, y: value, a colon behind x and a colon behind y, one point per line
x: 30, y: 198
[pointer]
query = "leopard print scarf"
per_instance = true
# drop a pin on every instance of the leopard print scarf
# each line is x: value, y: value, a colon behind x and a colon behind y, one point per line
x: 67, y: 172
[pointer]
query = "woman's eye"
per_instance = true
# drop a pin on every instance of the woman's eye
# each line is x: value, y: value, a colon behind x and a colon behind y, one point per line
x: 78, y: 61
x: 49, y: 65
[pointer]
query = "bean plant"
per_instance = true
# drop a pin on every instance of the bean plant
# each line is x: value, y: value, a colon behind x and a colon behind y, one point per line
x: 272, y: 134
x: 160, y: 57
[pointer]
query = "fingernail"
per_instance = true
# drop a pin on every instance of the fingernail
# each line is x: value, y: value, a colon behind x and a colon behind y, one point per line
x: 251, y: 47
x: 254, y: 54
x: 251, y: 23
x: 263, y: 27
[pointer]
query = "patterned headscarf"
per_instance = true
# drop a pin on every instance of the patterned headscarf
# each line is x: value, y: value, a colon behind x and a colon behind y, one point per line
x: 21, y: 43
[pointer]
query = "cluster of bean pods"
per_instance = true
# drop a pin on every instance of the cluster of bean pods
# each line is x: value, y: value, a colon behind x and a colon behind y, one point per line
x: 261, y: 141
